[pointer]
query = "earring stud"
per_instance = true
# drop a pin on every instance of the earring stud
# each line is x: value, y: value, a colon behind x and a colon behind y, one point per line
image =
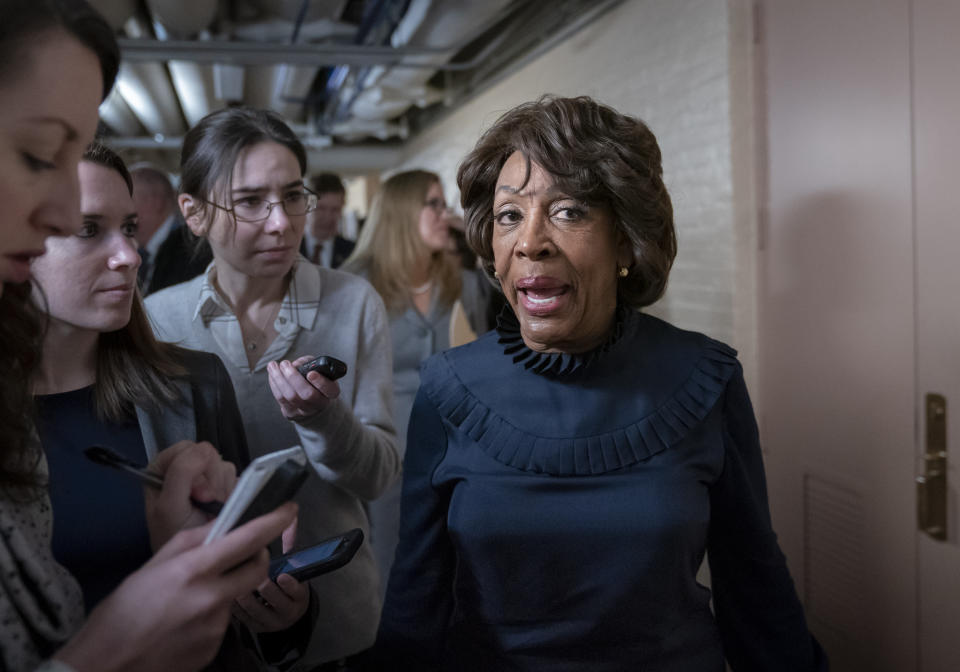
x: 623, y: 272
x: 496, y: 275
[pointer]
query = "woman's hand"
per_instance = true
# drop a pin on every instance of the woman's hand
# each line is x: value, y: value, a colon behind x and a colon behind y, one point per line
x: 189, y: 470
x: 300, y: 397
x: 172, y: 613
x: 275, y: 606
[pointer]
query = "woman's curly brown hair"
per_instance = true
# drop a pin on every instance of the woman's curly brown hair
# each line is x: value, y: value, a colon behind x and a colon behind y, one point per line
x: 594, y: 154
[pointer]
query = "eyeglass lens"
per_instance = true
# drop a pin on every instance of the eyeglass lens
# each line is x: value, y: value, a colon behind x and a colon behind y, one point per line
x: 437, y: 204
x: 255, y: 209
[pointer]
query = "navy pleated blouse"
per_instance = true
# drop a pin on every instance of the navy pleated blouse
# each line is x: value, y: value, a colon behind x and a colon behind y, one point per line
x: 556, y: 509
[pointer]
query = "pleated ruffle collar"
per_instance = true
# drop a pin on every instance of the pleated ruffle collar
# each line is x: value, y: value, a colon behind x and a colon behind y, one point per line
x: 663, y: 412
x: 551, y: 364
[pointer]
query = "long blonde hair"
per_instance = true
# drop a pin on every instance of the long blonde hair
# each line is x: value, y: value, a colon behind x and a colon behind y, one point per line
x: 390, y: 244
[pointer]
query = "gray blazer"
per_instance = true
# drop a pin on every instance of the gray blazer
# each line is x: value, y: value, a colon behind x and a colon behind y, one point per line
x: 206, y: 411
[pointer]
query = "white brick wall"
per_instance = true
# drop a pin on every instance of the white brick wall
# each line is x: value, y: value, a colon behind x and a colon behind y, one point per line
x: 668, y: 62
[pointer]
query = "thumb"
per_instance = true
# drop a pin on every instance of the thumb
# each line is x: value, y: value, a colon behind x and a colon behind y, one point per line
x: 289, y: 537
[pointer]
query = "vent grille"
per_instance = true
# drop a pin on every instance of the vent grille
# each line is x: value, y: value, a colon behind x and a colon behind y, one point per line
x: 834, y: 589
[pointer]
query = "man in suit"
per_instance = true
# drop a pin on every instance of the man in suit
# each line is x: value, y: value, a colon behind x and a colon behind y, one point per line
x: 321, y: 243
x: 168, y: 254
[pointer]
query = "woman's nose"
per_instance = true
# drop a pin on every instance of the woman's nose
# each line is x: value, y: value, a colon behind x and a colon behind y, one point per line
x: 278, y: 221
x: 59, y: 215
x: 534, y: 241
x: 123, y: 253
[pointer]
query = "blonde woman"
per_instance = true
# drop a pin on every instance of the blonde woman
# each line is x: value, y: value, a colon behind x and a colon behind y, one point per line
x: 405, y: 252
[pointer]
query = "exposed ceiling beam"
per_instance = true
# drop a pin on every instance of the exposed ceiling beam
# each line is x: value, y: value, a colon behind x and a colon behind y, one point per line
x: 255, y: 53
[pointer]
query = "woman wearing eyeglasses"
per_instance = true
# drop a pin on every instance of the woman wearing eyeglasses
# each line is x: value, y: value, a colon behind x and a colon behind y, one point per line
x: 406, y: 252
x: 265, y: 310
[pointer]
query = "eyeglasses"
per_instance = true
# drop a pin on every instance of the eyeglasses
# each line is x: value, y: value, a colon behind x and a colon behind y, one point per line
x: 254, y: 209
x: 436, y: 204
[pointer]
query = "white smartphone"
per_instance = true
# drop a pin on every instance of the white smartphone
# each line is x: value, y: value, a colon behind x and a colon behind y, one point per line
x: 266, y: 483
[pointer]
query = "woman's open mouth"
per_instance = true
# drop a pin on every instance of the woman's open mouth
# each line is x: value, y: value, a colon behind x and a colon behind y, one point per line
x: 542, y: 295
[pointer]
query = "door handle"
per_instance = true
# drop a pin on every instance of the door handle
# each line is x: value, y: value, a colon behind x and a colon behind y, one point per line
x: 932, y: 484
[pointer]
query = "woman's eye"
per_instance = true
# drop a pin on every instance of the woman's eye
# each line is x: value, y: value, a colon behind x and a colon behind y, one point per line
x: 250, y: 202
x: 295, y: 197
x: 506, y: 217
x: 35, y: 164
x: 88, y: 230
x: 569, y: 213
x: 130, y: 229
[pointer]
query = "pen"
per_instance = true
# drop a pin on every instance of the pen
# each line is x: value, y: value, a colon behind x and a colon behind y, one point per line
x: 108, y: 458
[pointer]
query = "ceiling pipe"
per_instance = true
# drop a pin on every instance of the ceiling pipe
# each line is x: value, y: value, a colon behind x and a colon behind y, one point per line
x: 118, y: 116
x: 146, y: 88
x: 183, y: 17
x: 250, y: 53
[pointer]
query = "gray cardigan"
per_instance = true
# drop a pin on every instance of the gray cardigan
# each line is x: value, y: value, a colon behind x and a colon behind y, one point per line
x: 351, y: 443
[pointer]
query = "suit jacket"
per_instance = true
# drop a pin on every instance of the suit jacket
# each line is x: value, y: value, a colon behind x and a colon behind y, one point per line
x: 341, y: 250
x: 206, y: 411
x: 177, y: 261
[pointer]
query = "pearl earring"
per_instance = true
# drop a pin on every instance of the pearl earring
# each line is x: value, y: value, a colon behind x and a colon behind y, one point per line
x: 496, y: 275
x: 623, y: 272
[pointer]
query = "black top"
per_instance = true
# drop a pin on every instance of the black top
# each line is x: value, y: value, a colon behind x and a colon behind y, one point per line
x: 556, y: 509
x: 100, y: 530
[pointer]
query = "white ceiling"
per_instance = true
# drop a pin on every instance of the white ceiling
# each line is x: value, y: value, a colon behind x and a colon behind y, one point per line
x: 354, y: 78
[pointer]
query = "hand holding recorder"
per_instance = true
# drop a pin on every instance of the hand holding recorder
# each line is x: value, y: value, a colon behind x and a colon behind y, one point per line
x: 306, y: 385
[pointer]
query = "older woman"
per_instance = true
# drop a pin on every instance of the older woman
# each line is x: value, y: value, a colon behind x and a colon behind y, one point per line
x: 565, y: 474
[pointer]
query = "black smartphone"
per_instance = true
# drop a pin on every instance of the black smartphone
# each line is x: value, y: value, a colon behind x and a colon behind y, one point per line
x: 325, y: 365
x: 328, y: 555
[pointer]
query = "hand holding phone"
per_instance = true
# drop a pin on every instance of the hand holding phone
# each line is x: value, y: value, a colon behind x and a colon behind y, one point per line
x: 298, y: 397
x: 266, y: 483
x: 328, y: 555
x: 325, y: 365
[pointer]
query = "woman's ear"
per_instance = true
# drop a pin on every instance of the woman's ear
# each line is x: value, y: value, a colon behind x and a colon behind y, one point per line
x: 192, y: 212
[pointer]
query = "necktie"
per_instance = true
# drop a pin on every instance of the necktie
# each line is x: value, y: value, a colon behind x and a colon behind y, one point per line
x: 317, y: 253
x: 143, y: 273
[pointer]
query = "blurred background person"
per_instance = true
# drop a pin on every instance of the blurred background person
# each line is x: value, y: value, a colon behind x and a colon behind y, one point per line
x: 405, y: 251
x: 322, y: 242
x: 168, y: 255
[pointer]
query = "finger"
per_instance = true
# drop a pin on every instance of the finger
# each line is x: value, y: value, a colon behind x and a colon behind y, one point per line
x: 273, y: 595
x: 329, y: 388
x: 287, y: 606
x: 162, y: 460
x: 239, y: 544
x: 282, y: 382
x: 255, y: 612
x: 243, y: 578
x: 289, y: 536
x: 292, y: 588
x: 189, y: 469
x: 181, y: 542
x: 302, y: 360
x: 303, y: 389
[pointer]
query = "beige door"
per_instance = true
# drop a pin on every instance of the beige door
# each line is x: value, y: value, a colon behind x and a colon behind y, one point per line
x: 860, y: 316
x: 936, y: 49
